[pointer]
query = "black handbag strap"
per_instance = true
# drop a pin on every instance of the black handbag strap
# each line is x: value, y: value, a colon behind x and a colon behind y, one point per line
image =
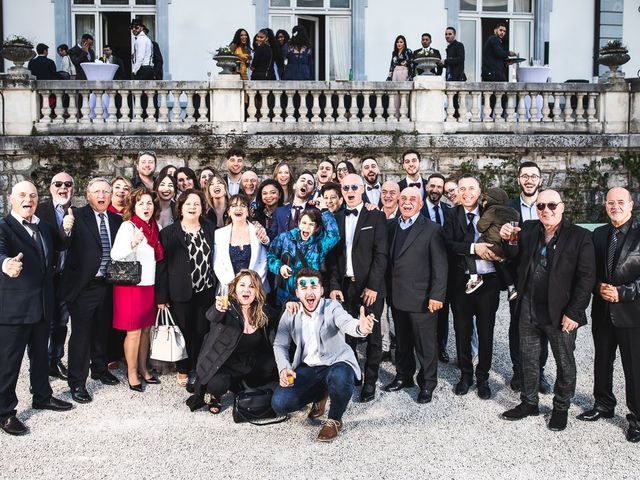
x: 301, y: 258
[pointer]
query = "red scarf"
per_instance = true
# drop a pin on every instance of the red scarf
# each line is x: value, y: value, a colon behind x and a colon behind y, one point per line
x: 152, y: 234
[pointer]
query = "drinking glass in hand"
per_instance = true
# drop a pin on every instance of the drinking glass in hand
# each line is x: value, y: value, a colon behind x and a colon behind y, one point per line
x: 513, y: 238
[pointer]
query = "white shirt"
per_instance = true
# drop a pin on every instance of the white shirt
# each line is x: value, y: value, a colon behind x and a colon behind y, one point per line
x: 410, y: 221
x: 528, y: 212
x: 373, y: 194
x: 310, y: 329
x: 421, y: 187
x: 106, y: 223
x: 142, y: 52
x: 143, y: 253
x: 234, y: 187
x: 482, y: 266
x: 350, y: 222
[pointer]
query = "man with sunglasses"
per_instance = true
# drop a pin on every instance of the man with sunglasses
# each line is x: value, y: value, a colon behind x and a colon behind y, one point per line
x: 556, y: 275
x: 53, y: 212
x: 616, y: 310
x: 142, y: 57
x: 529, y: 181
x: 356, y: 266
x: 323, y: 367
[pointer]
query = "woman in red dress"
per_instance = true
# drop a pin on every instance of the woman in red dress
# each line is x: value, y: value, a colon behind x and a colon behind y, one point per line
x: 134, y: 306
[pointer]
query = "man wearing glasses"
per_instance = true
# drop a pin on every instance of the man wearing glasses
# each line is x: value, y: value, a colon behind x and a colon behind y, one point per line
x: 556, y: 275
x: 529, y: 181
x: 53, y: 212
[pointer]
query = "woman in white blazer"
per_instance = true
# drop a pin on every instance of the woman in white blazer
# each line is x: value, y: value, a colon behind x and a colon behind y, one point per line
x: 240, y: 245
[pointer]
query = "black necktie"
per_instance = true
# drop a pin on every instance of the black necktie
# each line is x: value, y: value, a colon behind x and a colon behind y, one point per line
x: 35, y: 235
x: 353, y: 212
x: 611, y: 251
x: 436, y: 211
x: 415, y: 184
x: 470, y: 228
x: 375, y: 187
x: 295, y: 213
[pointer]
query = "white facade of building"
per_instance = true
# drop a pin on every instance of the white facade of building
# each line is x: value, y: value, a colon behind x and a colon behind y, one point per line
x: 352, y: 35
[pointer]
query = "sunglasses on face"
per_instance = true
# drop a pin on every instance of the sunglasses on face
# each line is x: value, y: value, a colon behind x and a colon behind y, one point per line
x: 303, y: 283
x: 551, y: 205
x: 67, y: 184
x: 354, y: 188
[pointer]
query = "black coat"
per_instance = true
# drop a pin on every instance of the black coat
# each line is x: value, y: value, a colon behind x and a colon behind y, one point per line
x: 173, y: 272
x: 28, y: 298
x: 573, y: 273
x: 46, y: 212
x: 85, y: 251
x: 626, y: 277
x: 458, y: 244
x: 368, y: 252
x: 454, y: 63
x: 223, y: 338
x: 419, y: 273
x: 402, y: 184
x: 43, y: 68
x: 78, y: 56
x: 494, y: 56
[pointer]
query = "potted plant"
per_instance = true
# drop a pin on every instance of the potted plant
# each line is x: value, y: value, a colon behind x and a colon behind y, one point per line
x: 426, y: 61
x: 19, y: 50
x: 226, y: 60
x: 613, y: 54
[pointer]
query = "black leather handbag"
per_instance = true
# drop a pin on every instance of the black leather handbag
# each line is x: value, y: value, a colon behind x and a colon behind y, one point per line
x: 124, y: 273
x: 253, y: 405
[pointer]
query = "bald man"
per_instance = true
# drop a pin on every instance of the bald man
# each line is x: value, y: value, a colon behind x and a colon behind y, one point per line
x: 616, y: 310
x: 27, y: 247
x: 556, y: 274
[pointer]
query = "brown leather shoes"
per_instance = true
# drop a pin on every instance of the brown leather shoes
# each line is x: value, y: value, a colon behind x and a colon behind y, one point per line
x: 318, y: 408
x: 329, y: 431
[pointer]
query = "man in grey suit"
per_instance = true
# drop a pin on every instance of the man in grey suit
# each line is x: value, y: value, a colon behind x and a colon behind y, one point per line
x: 417, y: 283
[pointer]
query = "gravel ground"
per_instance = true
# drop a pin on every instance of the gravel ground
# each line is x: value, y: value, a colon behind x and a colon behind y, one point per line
x: 123, y: 434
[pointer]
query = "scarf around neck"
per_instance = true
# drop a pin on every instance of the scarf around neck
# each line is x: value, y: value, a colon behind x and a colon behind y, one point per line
x: 152, y: 234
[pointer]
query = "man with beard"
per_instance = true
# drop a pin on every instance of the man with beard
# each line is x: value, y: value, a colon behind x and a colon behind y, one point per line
x: 323, y: 366
x: 529, y: 181
x: 286, y: 217
x: 324, y: 175
x: 411, y: 166
x: 370, y: 172
x: 235, y: 164
x: 357, y: 265
x: 145, y: 169
x: 494, y: 56
x: 53, y: 212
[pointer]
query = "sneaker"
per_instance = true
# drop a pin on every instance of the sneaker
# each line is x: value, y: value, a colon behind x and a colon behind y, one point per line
x: 512, y: 294
x: 472, y: 286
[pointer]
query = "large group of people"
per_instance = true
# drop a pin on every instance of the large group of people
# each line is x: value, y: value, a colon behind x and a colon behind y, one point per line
x: 281, y: 280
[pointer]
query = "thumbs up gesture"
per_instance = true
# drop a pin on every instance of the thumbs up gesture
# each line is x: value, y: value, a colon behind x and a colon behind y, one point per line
x: 365, y: 322
x: 13, y: 266
x: 68, y: 220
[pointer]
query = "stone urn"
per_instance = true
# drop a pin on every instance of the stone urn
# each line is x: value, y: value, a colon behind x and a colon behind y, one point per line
x: 614, y: 54
x: 18, y: 53
x: 426, y: 64
x: 228, y: 63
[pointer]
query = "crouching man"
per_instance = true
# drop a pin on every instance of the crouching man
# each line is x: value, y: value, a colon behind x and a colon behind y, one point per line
x: 324, y: 366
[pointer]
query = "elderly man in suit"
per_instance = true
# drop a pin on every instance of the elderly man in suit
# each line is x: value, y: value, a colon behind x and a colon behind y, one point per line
x: 417, y: 280
x: 356, y: 267
x: 616, y: 310
x: 27, y: 253
x: 89, y: 298
x: 53, y: 211
x: 556, y: 274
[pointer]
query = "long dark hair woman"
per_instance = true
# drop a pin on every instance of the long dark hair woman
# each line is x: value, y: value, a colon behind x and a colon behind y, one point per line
x: 184, y: 278
x: 299, y: 58
x: 269, y: 197
x: 241, y: 48
x: 401, y: 58
x: 237, y: 348
x: 263, y: 58
x: 165, y: 187
x: 186, y: 179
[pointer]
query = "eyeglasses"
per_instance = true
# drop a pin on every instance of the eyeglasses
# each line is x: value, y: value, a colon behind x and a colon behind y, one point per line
x: 354, y: 187
x: 147, y: 152
x: 67, y: 184
x: 552, y: 206
x: 526, y: 177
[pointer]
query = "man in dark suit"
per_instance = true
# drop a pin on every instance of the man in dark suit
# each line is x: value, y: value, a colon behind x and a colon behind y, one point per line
x: 428, y: 51
x: 417, y: 279
x: 454, y: 63
x: 26, y: 304
x: 494, y: 56
x: 371, y: 175
x: 109, y: 57
x: 89, y: 298
x: 83, y: 52
x: 53, y: 212
x: 41, y: 67
x: 356, y: 267
x: 411, y: 166
x: 616, y: 310
x: 529, y: 181
x: 286, y: 216
x: 556, y: 274
x: 461, y: 237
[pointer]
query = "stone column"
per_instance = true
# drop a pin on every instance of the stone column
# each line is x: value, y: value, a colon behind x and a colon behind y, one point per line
x: 20, y: 104
x: 634, y: 117
x: 428, y: 106
x: 614, y: 106
x: 226, y: 94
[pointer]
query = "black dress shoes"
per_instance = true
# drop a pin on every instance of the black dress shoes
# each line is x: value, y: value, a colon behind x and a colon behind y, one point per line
x: 80, y: 395
x: 13, y: 426
x: 633, y: 433
x: 398, y: 384
x: 368, y: 392
x: 558, y: 420
x: 443, y: 356
x: 484, y: 392
x: 462, y: 388
x: 521, y: 411
x: 593, y: 415
x: 58, y: 370
x: 53, y: 404
x: 424, y: 396
x: 107, y: 378
x: 135, y: 388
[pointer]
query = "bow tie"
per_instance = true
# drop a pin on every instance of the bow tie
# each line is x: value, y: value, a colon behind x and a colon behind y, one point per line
x: 351, y: 212
x: 375, y: 187
x: 297, y: 207
x: 415, y: 184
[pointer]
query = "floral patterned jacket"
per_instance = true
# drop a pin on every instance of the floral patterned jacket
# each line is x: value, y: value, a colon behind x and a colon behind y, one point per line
x: 403, y: 59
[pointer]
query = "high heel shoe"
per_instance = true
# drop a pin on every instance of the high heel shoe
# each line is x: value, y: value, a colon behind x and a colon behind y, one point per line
x: 153, y: 380
x: 135, y: 388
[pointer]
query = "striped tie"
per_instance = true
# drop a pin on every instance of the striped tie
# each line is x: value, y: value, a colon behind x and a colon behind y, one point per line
x: 611, y: 253
x: 106, y: 246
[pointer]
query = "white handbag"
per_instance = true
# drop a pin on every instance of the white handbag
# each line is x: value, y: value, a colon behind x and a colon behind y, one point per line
x: 167, y: 342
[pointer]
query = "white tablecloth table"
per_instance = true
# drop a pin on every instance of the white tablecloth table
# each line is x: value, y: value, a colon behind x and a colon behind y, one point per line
x: 99, y: 72
x: 533, y: 74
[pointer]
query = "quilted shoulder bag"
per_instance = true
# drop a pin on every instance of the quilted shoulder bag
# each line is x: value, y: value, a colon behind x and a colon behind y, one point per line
x: 124, y: 272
